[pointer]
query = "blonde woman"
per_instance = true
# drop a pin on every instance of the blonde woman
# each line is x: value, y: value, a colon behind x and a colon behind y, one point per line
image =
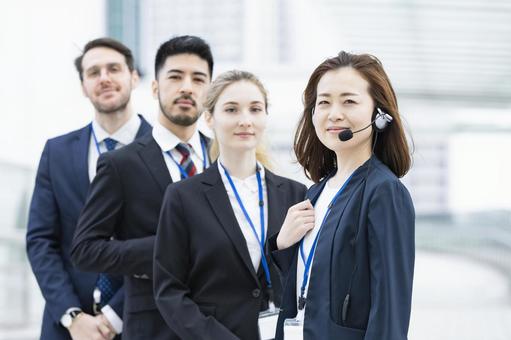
x: 212, y: 275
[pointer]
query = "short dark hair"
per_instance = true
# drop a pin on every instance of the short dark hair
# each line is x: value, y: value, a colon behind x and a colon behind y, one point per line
x: 107, y: 43
x: 391, y: 146
x: 184, y: 44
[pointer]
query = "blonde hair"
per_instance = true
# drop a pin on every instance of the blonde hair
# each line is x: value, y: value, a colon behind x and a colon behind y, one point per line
x: 215, y: 90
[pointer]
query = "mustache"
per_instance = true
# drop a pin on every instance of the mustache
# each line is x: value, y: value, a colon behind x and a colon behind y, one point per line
x: 185, y: 97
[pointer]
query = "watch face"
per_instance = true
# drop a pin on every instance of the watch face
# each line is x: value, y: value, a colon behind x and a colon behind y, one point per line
x: 66, y: 320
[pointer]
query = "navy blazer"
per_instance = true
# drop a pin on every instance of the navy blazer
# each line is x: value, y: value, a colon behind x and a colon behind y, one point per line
x: 204, y: 281
x: 117, y: 228
x: 60, y: 191
x: 364, y: 262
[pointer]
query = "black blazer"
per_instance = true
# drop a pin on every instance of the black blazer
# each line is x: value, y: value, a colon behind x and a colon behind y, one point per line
x: 366, y: 249
x: 60, y: 191
x: 117, y: 227
x: 204, y: 281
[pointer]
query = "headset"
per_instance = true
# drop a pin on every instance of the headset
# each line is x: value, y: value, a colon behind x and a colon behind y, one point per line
x: 380, y: 122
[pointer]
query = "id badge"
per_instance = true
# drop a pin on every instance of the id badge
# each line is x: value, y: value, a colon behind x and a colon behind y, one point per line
x: 293, y: 329
x: 268, y: 323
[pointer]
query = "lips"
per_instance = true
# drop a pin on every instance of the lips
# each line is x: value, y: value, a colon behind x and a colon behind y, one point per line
x: 336, y: 128
x: 244, y: 134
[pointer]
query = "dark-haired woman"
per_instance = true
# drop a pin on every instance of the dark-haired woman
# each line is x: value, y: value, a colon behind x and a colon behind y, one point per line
x: 348, y: 250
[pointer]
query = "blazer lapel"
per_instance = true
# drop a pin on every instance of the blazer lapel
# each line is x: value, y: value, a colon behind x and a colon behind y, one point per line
x: 80, y: 148
x: 152, y: 157
x: 219, y: 201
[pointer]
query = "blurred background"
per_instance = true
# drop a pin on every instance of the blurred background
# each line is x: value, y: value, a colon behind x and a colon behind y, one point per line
x: 450, y: 64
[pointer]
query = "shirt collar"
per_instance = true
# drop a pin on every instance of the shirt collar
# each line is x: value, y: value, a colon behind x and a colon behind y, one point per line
x: 124, y: 135
x: 250, y: 182
x: 167, y: 141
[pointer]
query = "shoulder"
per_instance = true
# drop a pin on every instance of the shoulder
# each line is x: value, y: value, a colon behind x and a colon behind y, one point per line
x: 68, y: 137
x: 385, y: 184
x: 128, y: 152
x: 286, y: 183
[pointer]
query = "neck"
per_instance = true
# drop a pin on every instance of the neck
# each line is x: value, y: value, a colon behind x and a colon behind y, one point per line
x: 184, y: 133
x: 348, y: 161
x: 239, y: 164
x: 113, y: 121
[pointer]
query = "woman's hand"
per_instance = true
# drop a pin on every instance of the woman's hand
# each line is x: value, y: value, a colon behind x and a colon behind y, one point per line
x: 299, y: 220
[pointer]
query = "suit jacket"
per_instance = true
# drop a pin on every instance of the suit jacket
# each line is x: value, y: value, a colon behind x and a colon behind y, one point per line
x: 204, y: 281
x: 117, y: 228
x: 365, y: 256
x: 60, y: 191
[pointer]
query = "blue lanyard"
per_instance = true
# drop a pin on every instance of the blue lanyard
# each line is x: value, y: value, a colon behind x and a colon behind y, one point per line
x: 308, y: 262
x: 249, y: 220
x: 184, y: 174
x: 95, y: 139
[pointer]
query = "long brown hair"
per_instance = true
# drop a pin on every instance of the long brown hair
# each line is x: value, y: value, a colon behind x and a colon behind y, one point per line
x: 391, y: 146
x: 215, y: 90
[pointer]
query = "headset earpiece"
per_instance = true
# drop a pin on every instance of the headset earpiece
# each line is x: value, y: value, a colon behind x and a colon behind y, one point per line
x: 381, y: 120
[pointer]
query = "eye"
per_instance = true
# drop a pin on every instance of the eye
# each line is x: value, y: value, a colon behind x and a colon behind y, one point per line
x: 230, y: 110
x: 199, y: 80
x: 256, y: 109
x: 115, y: 68
x: 93, y: 73
x: 323, y: 102
x: 174, y: 77
x: 349, y: 101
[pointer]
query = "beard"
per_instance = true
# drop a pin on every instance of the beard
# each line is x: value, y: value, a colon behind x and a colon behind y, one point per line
x: 112, y: 107
x: 185, y: 117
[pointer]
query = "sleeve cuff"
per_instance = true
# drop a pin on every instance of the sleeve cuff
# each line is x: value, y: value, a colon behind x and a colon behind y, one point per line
x: 69, y: 310
x: 113, y: 318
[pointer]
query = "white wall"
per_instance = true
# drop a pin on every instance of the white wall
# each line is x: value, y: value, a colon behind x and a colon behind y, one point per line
x: 40, y: 92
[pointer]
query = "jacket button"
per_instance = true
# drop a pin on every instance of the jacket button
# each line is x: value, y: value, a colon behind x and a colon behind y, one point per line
x: 256, y: 293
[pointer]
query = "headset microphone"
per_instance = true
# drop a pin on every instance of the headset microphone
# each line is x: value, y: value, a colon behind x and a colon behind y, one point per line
x: 380, y: 122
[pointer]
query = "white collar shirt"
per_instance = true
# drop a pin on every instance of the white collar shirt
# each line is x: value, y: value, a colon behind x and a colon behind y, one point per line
x: 124, y: 136
x: 167, y: 141
x: 249, y: 193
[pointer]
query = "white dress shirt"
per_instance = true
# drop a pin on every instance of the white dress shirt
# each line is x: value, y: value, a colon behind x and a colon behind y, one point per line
x: 249, y: 194
x: 167, y: 141
x: 124, y: 135
x: 320, y: 209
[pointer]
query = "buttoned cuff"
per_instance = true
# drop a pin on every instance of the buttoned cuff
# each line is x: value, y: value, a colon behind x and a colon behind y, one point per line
x: 113, y: 318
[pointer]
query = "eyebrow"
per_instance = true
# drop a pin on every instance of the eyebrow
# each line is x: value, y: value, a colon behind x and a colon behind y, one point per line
x: 236, y: 103
x: 195, y: 73
x: 344, y: 94
x: 99, y: 66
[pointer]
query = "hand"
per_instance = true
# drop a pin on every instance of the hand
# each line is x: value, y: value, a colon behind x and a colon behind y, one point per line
x: 112, y: 333
x: 299, y: 221
x: 88, y: 327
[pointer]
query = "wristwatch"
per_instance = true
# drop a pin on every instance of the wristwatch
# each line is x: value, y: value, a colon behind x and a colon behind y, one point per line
x: 67, y: 319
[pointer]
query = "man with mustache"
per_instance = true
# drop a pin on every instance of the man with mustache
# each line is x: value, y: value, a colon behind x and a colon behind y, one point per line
x: 117, y: 228
x: 68, y: 163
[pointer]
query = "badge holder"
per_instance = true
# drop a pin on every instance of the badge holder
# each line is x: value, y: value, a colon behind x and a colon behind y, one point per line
x: 293, y: 328
x: 268, y: 322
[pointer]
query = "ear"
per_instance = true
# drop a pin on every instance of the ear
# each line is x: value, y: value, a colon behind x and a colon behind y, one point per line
x: 84, y: 92
x: 135, y: 79
x: 154, y: 89
x: 209, y: 119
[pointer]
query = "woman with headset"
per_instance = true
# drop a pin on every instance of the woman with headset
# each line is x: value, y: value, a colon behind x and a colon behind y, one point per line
x: 213, y: 278
x: 347, y: 251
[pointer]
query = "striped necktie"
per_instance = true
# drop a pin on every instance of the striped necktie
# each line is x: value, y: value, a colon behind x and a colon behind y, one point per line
x: 186, y: 161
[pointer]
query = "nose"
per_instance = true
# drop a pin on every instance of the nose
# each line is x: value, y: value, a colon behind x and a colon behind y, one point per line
x: 186, y: 85
x: 245, y: 118
x: 104, y: 75
x: 336, y: 113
